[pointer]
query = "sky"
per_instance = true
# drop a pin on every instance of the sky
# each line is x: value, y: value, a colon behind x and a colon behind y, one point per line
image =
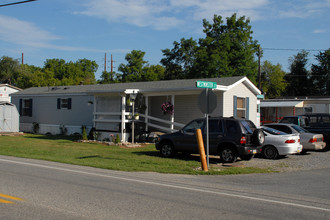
x: 78, y: 29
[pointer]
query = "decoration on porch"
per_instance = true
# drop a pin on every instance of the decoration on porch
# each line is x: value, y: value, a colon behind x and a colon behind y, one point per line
x: 167, y: 108
x: 129, y: 102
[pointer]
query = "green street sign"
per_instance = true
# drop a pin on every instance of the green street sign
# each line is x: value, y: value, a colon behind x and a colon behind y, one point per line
x: 206, y: 84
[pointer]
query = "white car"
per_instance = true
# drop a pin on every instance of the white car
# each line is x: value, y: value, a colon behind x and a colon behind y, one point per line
x: 278, y: 143
x: 310, y: 141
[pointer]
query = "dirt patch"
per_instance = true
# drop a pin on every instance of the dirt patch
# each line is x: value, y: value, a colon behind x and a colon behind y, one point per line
x: 11, y: 133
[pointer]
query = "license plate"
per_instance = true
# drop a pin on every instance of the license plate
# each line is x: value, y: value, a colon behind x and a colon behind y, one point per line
x: 254, y: 151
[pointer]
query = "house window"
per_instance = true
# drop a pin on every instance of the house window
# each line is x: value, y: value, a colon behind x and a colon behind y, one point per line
x: 25, y: 107
x: 64, y: 103
x: 241, y: 107
x: 241, y: 110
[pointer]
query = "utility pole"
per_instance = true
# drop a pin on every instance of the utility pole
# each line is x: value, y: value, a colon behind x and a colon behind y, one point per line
x: 105, y: 62
x: 259, y: 68
x: 22, y: 58
x: 111, y: 64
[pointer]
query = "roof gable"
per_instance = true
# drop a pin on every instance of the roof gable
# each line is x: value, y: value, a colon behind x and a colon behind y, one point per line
x: 10, y: 86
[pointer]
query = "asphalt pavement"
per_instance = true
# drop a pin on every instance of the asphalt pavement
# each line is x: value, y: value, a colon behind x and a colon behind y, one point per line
x: 48, y: 190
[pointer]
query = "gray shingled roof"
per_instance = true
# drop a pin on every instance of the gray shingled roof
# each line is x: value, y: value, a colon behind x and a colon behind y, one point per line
x: 119, y: 87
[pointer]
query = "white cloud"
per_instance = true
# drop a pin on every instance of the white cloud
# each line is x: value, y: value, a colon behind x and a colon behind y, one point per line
x: 166, y: 14
x: 319, y: 31
x: 301, y: 9
x: 225, y: 8
x: 21, y: 32
x: 28, y: 34
x: 141, y: 13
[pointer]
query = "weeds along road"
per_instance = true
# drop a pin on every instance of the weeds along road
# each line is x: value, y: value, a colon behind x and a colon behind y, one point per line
x: 45, y: 190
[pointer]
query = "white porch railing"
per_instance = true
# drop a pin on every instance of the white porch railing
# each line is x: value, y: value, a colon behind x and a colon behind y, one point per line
x: 146, y: 120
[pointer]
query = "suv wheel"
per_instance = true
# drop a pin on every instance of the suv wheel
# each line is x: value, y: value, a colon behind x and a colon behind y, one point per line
x: 258, y: 137
x: 228, y: 155
x: 167, y: 149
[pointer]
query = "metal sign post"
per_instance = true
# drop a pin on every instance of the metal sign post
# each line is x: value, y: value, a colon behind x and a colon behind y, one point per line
x: 207, y: 102
x: 207, y: 128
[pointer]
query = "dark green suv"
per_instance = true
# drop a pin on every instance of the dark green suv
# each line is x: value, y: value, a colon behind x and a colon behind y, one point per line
x: 228, y: 137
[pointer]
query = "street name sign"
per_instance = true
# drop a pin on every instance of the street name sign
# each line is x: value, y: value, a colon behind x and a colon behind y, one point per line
x: 206, y: 84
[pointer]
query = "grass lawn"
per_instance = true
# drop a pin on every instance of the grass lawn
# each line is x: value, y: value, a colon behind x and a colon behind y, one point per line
x: 146, y: 158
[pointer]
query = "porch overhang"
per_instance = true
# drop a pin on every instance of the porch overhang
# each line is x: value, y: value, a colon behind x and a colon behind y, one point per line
x: 283, y: 104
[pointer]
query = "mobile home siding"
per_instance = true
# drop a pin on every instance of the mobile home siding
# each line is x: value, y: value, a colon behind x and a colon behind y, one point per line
x: 242, y: 91
x: 45, y: 111
x: 186, y: 108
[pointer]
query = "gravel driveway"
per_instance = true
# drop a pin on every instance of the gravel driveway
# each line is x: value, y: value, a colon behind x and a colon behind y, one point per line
x: 310, y: 160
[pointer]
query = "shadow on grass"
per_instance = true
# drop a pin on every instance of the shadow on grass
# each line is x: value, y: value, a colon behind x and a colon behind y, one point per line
x: 97, y: 157
x: 53, y: 137
x: 178, y: 156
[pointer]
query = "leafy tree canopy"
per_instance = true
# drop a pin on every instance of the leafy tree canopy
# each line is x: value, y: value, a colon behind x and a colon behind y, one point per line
x: 299, y: 76
x: 137, y: 69
x: 227, y: 50
x: 272, y: 80
x: 321, y: 74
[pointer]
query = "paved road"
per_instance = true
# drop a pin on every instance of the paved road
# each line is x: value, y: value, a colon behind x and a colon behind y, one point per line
x: 59, y: 191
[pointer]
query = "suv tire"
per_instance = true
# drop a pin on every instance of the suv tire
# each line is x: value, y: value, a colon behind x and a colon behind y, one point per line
x: 167, y: 149
x: 258, y: 137
x: 228, y: 155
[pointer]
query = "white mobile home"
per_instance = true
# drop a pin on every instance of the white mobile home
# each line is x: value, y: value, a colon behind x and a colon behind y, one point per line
x: 6, y: 90
x: 105, y: 107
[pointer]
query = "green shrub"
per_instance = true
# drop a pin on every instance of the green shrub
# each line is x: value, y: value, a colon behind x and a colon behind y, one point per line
x: 117, y: 140
x: 84, y: 133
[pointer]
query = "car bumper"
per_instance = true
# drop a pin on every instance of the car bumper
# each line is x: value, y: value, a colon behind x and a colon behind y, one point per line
x: 315, y: 146
x: 289, y: 150
x: 248, y: 150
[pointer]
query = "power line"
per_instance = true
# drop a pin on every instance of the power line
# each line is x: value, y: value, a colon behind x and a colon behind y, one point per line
x: 16, y: 3
x: 292, y: 49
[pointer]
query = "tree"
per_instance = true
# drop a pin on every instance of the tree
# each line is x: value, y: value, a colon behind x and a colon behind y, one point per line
x: 321, y: 74
x: 273, y: 83
x: 72, y: 73
x: 153, y: 73
x: 57, y: 66
x: 179, y: 62
x: 299, y: 77
x: 133, y: 70
x: 8, y: 70
x: 109, y: 77
x: 227, y: 50
x: 138, y: 70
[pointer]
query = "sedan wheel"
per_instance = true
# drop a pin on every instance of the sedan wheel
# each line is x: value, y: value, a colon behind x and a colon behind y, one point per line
x: 269, y: 152
x: 228, y: 155
x: 167, y: 150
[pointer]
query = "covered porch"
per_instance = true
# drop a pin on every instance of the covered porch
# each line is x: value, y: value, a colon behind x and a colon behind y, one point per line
x: 128, y: 112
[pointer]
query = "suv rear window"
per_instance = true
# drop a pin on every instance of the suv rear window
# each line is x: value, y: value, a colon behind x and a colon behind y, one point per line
x: 248, y: 126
